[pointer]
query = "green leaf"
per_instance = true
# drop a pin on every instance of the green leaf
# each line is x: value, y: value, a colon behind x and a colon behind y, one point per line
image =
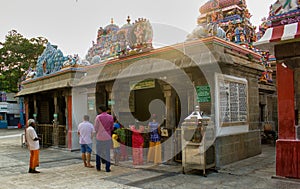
x: 18, y: 54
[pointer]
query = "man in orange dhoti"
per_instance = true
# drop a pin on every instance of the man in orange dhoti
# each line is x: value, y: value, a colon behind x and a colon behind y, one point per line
x: 33, y: 145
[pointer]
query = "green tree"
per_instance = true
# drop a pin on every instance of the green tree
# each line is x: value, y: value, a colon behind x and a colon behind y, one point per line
x: 17, y: 55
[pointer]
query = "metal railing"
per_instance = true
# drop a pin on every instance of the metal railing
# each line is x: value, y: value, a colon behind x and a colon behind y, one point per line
x: 46, y: 130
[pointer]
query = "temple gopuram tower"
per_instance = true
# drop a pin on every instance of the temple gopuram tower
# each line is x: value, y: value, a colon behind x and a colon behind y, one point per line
x: 232, y: 16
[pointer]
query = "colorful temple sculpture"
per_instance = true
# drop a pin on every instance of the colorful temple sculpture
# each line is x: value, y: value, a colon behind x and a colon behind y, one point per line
x: 281, y: 7
x: 229, y: 19
x: 282, y: 37
x: 52, y: 60
x: 269, y: 62
x: 115, y: 42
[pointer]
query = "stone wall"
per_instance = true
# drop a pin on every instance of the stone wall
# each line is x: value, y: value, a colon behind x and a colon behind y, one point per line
x: 232, y: 148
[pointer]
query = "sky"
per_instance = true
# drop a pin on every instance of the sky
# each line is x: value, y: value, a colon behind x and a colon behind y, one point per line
x: 73, y: 24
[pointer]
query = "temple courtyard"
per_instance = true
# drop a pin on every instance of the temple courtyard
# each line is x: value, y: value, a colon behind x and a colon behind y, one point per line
x: 63, y: 169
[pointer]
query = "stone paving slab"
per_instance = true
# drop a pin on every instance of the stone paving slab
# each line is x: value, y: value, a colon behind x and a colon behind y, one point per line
x: 71, y: 176
x: 219, y: 181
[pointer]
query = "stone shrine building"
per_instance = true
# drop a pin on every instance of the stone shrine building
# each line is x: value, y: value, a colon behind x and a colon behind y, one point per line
x: 135, y: 80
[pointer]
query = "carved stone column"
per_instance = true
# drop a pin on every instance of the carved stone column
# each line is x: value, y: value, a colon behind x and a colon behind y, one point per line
x: 35, y: 108
x: 108, y: 88
x: 170, y: 107
x: 26, y: 106
x: 55, y: 121
x: 191, y: 97
x: 168, y: 145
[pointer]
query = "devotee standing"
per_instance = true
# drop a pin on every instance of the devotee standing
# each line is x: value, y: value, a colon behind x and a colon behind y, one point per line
x: 85, y: 133
x: 33, y: 145
x: 104, y: 124
x: 154, y: 152
x: 137, y: 144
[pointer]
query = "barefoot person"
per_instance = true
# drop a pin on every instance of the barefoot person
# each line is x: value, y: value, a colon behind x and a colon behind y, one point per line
x: 33, y: 145
x: 104, y: 125
x: 85, y: 133
x: 154, y: 152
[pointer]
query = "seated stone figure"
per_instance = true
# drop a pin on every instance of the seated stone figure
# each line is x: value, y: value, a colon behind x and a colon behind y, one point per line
x: 269, y: 132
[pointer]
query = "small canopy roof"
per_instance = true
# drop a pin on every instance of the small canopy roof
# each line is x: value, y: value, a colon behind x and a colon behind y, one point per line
x: 279, y: 34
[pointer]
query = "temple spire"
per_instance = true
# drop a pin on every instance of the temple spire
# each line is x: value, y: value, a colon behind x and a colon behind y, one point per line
x: 128, y: 20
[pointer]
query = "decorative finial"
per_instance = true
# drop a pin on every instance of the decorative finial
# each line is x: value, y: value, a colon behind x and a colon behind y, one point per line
x: 128, y: 19
x: 112, y: 21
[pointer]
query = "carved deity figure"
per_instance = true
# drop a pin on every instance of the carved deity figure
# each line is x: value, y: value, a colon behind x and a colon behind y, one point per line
x: 288, y: 5
x: 214, y: 17
x: 247, y: 14
x: 139, y: 34
x: 239, y: 31
x: 283, y: 6
x: 230, y: 31
x: 44, y: 66
x: 29, y: 74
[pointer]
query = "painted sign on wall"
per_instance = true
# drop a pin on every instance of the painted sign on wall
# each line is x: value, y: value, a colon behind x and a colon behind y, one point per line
x: 203, y: 93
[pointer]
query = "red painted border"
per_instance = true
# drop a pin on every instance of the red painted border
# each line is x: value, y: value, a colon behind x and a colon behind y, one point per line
x: 298, y: 31
x: 277, y: 33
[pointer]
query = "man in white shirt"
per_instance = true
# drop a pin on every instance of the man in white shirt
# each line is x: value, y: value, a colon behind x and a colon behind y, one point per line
x: 33, y: 145
x: 85, y: 133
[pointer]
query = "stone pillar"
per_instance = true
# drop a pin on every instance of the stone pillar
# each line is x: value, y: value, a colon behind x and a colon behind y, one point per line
x: 253, y: 106
x: 35, y: 108
x: 55, y: 122
x: 108, y: 88
x: 170, y: 107
x: 168, y: 145
x: 26, y: 106
x: 21, y: 105
x: 191, y: 97
x: 67, y: 120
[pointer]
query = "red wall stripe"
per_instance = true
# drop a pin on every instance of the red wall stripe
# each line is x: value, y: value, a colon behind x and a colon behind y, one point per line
x: 298, y: 31
x: 277, y: 33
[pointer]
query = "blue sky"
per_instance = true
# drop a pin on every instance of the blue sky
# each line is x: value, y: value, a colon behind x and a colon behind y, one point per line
x: 73, y: 24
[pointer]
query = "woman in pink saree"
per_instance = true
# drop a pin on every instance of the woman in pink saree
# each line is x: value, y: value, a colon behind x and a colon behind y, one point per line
x: 137, y: 145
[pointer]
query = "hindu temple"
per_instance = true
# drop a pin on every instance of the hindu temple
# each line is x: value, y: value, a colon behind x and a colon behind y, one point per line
x: 216, y: 69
